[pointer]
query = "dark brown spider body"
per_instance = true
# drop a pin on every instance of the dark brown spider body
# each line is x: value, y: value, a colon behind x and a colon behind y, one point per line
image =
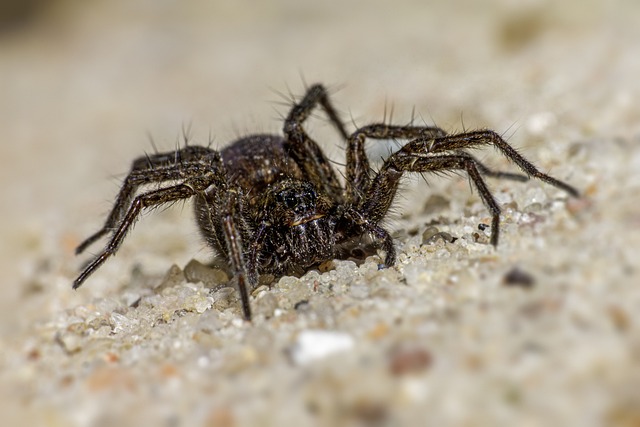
x: 273, y: 204
x: 299, y: 220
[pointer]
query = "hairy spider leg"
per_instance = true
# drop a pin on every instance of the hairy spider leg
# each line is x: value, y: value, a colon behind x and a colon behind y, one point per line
x: 231, y: 220
x: 489, y: 137
x: 203, y: 175
x: 386, y: 182
x: 151, y: 169
x: 143, y: 201
x: 359, y: 183
x: 218, y: 211
x: 432, y: 155
x: 304, y: 150
x: 358, y: 170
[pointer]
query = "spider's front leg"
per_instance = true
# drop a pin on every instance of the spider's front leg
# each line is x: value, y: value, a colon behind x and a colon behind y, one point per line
x: 442, y: 154
x: 474, y: 139
x: 219, y: 214
x: 385, y: 184
x: 359, y: 172
x: 371, y: 198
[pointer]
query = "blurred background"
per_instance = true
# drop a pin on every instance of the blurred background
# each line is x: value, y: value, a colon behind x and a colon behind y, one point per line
x: 85, y: 86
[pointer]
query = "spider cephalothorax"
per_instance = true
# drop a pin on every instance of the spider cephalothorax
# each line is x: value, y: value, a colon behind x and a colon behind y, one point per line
x: 273, y: 204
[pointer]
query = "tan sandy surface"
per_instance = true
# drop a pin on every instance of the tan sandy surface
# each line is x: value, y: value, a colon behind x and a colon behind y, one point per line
x: 440, y: 339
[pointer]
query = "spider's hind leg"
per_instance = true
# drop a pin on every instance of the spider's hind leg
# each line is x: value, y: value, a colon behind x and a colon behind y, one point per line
x: 386, y: 182
x: 479, y: 138
x: 304, y: 150
x: 358, y: 171
x: 486, y: 171
x: 143, y: 201
x: 443, y: 154
x: 195, y: 177
x: 157, y: 168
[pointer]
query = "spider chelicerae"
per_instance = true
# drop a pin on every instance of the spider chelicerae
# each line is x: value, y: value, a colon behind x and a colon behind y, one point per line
x: 273, y: 204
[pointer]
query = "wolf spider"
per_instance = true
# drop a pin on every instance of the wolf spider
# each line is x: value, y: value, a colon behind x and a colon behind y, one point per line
x: 273, y: 204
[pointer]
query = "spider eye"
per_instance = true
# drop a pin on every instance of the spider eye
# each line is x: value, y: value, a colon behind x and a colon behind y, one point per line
x: 294, y: 203
x: 297, y: 198
x: 288, y: 199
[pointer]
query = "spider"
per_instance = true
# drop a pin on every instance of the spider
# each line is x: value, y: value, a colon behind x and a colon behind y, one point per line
x: 272, y: 204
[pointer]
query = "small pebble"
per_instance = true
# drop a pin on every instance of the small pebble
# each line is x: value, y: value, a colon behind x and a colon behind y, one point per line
x: 408, y: 360
x: 196, y: 272
x: 313, y: 345
x: 428, y: 237
x: 173, y: 277
x: 518, y: 277
x: 266, y: 305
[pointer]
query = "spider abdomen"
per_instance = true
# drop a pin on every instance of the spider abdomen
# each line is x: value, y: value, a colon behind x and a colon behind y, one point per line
x: 256, y: 162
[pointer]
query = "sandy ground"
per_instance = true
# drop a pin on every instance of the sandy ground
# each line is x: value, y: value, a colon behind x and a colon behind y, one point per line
x: 446, y: 337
